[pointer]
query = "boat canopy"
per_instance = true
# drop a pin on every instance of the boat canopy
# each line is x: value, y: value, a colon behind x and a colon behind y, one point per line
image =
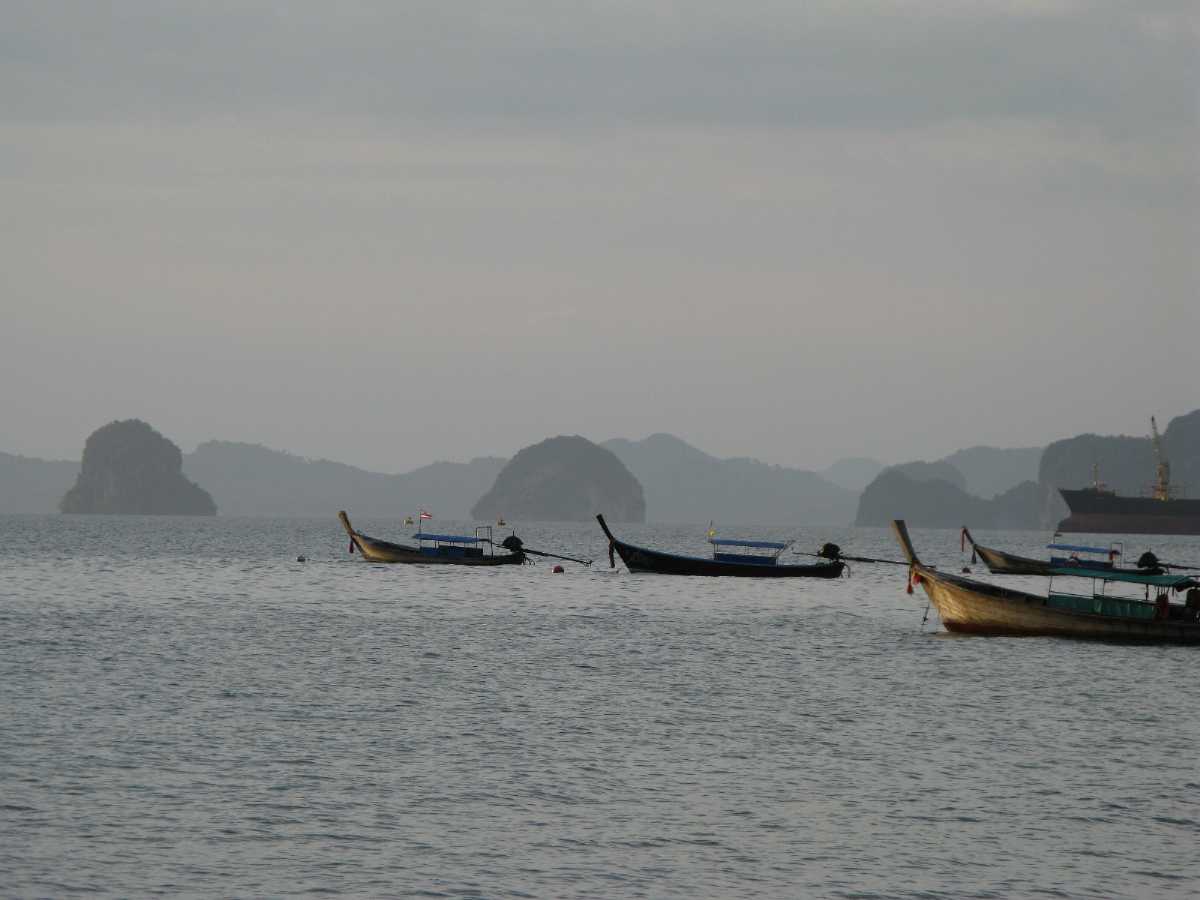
x: 733, y: 542
x: 446, y: 538
x: 1073, y: 548
x: 1164, y: 581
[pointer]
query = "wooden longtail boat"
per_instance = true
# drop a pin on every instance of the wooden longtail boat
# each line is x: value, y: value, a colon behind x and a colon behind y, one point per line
x: 431, y: 549
x: 745, y: 565
x: 999, y: 562
x: 977, y: 607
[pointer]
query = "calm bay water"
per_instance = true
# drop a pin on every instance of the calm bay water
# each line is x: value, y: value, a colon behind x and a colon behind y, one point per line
x: 187, y: 710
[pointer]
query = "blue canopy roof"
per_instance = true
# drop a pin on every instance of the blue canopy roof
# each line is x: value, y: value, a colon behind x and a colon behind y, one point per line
x: 1077, y: 549
x: 731, y: 542
x: 446, y: 538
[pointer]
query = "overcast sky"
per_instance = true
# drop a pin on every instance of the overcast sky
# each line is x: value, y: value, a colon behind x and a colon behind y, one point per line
x: 387, y: 233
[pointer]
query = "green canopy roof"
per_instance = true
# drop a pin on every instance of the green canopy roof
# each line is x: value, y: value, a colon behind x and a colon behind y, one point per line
x: 1166, y: 581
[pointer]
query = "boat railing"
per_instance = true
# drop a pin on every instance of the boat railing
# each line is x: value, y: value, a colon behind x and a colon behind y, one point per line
x: 1102, y: 605
x: 720, y: 554
x: 448, y: 544
x: 483, y: 534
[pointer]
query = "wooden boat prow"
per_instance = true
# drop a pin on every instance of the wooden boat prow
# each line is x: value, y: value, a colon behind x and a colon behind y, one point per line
x: 977, y: 607
x: 374, y: 549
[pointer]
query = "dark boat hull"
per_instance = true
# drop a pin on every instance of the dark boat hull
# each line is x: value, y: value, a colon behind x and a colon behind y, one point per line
x: 1099, y: 512
x: 375, y: 550
x: 999, y: 562
x: 643, y: 559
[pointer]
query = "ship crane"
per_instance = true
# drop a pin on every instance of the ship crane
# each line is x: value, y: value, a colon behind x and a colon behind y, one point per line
x: 1162, y: 466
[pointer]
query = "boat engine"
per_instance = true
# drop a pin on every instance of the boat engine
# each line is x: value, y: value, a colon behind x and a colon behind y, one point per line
x: 512, y: 543
x: 1148, y: 561
x: 830, y: 551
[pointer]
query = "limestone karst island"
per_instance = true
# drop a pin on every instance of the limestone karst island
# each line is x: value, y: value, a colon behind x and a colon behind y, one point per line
x: 564, y: 479
x: 129, y: 468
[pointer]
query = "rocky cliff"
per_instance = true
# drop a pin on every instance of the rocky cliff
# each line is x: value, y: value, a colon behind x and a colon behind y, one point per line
x: 129, y: 468
x: 29, y: 485
x: 564, y: 479
x: 252, y: 480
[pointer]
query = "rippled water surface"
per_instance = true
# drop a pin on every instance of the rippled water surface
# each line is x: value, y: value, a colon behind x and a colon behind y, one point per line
x: 185, y: 709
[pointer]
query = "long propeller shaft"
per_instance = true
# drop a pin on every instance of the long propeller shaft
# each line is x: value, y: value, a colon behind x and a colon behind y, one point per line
x: 518, y: 547
x: 862, y: 559
x: 582, y: 562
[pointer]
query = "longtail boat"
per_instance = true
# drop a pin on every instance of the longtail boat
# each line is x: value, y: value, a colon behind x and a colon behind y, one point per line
x: 976, y: 607
x: 999, y: 562
x: 434, y: 549
x: 723, y: 562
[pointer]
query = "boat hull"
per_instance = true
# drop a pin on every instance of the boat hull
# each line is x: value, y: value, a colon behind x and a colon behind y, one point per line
x: 1099, y: 512
x: 976, y: 608
x: 385, y: 552
x: 643, y: 559
x: 1000, y: 563
x: 375, y: 550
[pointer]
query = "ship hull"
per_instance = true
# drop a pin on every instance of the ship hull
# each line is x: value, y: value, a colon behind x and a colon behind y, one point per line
x: 1098, y: 512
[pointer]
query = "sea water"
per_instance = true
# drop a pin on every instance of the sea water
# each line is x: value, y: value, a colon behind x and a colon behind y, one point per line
x: 186, y: 709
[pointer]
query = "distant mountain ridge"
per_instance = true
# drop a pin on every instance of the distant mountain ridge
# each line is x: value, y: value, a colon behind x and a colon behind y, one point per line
x: 684, y: 484
x: 253, y: 480
x: 853, y: 473
x: 681, y: 483
x: 993, y: 470
x: 31, y: 485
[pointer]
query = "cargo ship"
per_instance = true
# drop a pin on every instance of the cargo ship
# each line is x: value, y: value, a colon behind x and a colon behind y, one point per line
x: 1098, y: 510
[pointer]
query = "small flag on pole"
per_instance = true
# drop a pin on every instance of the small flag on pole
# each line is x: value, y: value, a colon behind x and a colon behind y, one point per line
x: 426, y: 515
x: 712, y: 532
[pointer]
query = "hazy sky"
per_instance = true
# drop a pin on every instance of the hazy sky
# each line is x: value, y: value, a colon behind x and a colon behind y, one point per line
x: 387, y: 233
